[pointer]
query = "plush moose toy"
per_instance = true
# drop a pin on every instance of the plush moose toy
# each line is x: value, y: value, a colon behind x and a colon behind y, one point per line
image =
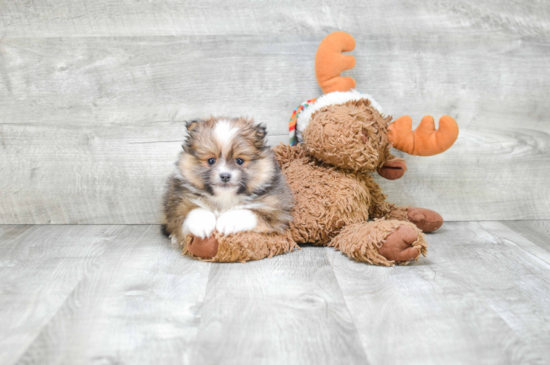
x: 336, y: 141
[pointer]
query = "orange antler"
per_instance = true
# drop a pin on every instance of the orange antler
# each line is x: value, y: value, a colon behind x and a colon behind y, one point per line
x: 330, y: 62
x: 424, y: 140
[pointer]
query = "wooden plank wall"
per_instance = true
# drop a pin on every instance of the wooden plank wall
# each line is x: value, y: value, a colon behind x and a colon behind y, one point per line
x: 93, y: 95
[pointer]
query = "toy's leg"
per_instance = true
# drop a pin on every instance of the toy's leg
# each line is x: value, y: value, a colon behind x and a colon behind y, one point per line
x: 381, y: 242
x: 239, y: 247
x: 425, y: 219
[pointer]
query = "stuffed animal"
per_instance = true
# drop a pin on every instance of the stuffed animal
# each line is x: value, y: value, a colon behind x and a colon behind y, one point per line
x: 336, y: 142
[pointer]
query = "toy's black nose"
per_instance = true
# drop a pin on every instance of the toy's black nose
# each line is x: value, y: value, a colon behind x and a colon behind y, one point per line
x: 225, y: 176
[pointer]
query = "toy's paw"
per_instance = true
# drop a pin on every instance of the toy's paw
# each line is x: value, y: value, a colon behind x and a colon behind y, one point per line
x: 199, y: 222
x: 205, y: 248
x: 236, y: 220
x: 425, y: 219
x: 399, y: 245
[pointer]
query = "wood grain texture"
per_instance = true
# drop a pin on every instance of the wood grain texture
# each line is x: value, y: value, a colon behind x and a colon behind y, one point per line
x: 537, y: 232
x: 528, y: 241
x: 479, y: 297
x: 83, y: 86
x: 49, y: 18
x: 285, y: 310
x: 137, y: 305
x: 40, y: 267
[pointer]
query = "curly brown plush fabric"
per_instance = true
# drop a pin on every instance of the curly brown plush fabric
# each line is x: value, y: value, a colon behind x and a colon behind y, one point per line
x: 328, y: 198
x: 349, y: 135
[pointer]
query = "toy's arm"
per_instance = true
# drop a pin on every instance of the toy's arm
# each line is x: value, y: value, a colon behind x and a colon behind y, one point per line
x: 239, y: 247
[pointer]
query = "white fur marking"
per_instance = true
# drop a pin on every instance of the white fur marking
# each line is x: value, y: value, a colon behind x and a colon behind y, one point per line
x: 200, y: 222
x: 225, y: 198
x: 236, y: 220
x: 224, y: 133
x: 333, y: 98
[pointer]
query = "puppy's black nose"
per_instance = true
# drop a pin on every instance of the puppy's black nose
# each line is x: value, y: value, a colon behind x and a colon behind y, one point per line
x: 225, y: 176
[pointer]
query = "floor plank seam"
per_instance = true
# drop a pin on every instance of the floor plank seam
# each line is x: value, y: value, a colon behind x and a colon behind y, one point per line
x: 357, y: 333
x: 546, y: 263
x: 47, y: 322
x: 199, y: 311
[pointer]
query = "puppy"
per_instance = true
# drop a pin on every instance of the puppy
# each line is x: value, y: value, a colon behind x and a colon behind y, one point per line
x: 226, y: 179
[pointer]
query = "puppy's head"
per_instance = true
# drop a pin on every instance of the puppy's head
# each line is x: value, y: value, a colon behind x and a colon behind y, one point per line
x: 222, y: 155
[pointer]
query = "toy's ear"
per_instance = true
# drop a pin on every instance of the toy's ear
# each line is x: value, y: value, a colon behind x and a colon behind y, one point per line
x: 330, y: 62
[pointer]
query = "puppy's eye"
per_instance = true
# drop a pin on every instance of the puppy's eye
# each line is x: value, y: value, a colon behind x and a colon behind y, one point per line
x: 239, y: 161
x: 211, y: 161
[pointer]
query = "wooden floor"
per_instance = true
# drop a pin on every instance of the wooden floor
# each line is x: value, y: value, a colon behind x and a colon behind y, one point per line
x: 97, y: 294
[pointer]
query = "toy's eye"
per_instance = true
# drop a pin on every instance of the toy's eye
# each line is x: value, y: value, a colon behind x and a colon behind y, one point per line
x: 239, y: 161
x: 211, y: 161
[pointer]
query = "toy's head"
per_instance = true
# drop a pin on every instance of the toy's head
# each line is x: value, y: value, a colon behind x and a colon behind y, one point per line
x: 347, y: 129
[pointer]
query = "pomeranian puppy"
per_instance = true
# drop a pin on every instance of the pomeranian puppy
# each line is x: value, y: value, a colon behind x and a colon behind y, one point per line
x: 226, y: 179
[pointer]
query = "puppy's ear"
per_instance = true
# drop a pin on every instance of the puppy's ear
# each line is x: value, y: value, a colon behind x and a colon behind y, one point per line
x: 192, y: 124
x: 260, y: 133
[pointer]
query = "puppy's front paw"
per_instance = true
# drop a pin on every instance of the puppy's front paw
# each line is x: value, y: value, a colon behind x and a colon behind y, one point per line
x: 200, y: 222
x: 236, y: 220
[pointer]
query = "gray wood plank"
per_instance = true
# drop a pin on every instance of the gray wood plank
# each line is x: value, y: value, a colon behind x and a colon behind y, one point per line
x: 286, y: 310
x: 40, y: 266
x: 49, y: 18
x: 139, y: 305
x: 537, y: 232
x: 504, y: 232
x: 478, y: 297
x: 89, y: 127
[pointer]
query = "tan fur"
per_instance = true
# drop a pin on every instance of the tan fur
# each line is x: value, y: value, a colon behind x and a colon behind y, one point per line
x: 264, y: 170
x: 176, y: 210
x: 186, y: 164
x: 273, y: 214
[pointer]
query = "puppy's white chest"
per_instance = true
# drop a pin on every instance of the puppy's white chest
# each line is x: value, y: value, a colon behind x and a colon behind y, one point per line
x: 225, y: 198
